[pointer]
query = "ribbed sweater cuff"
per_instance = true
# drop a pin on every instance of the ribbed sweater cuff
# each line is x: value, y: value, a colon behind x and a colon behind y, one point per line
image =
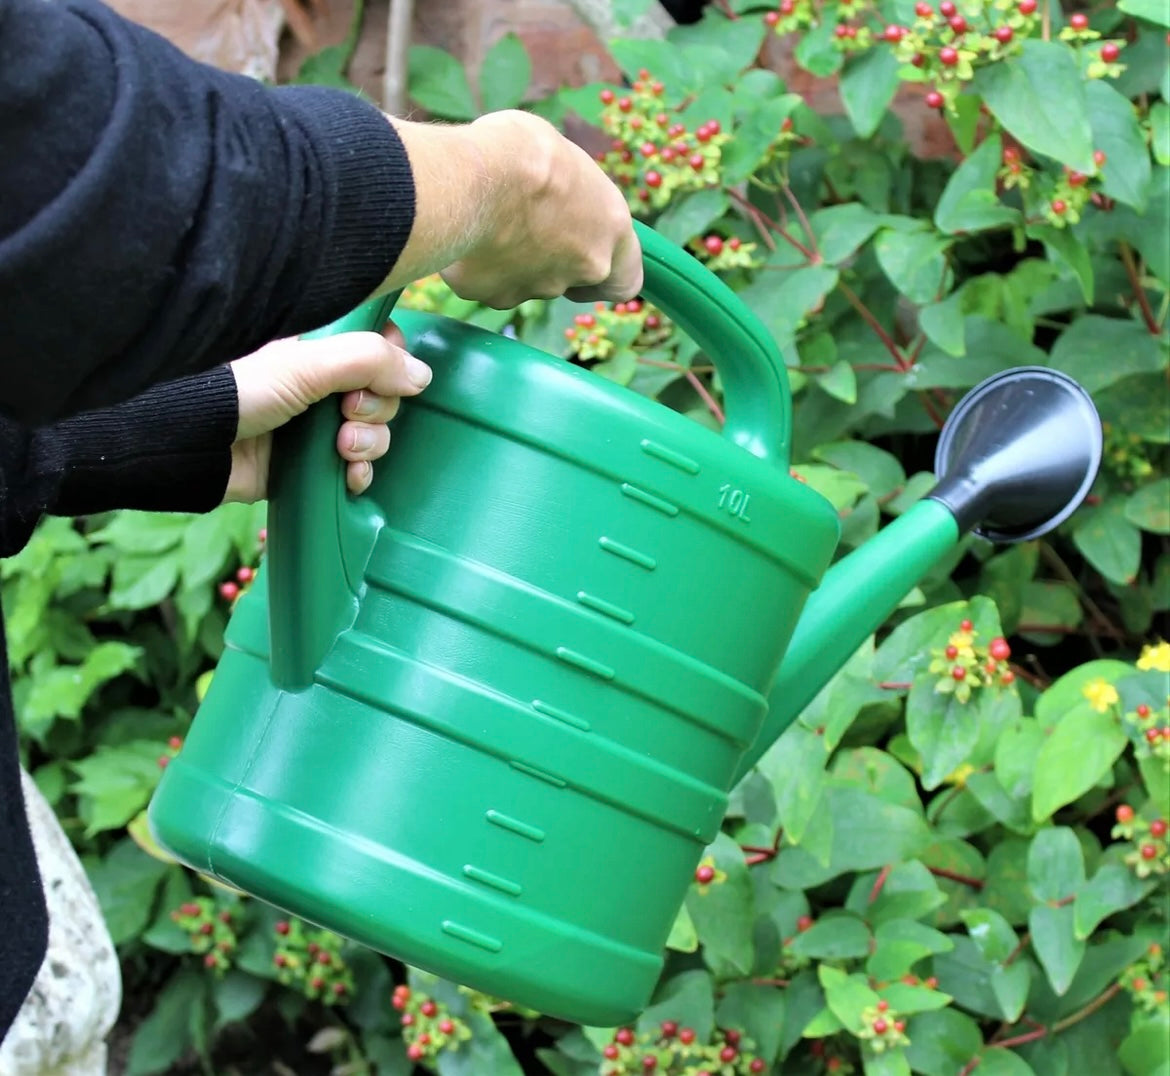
x: 371, y: 196
x: 168, y: 450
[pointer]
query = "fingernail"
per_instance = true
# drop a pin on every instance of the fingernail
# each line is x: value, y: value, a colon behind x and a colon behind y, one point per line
x: 366, y: 404
x: 418, y: 372
x: 363, y: 439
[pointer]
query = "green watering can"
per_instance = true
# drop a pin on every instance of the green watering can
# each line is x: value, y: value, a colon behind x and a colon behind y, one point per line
x: 486, y: 716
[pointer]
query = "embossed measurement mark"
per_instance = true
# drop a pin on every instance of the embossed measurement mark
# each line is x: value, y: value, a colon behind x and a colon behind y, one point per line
x: 472, y: 937
x: 560, y: 715
x: 514, y: 825
x: 600, y: 605
x: 540, y: 775
x: 657, y: 503
x: 668, y: 455
x: 584, y: 661
x: 634, y: 556
x: 734, y: 501
x: 513, y: 889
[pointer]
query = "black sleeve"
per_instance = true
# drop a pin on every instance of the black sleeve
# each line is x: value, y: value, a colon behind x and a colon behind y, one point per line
x: 168, y: 450
x: 158, y: 216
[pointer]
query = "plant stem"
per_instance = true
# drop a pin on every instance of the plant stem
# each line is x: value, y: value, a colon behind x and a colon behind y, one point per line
x: 954, y: 876
x: 931, y: 410
x: 880, y: 881
x: 1065, y: 572
x: 1139, y: 292
x: 770, y: 982
x: 764, y: 224
x: 873, y: 323
x: 800, y: 215
x: 705, y: 396
x: 895, y: 685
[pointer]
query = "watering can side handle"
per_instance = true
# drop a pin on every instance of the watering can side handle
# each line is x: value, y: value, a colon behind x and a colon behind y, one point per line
x: 306, y: 497
x: 755, y: 383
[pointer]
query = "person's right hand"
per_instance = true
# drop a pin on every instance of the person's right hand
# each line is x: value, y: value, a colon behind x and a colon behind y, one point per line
x: 508, y: 209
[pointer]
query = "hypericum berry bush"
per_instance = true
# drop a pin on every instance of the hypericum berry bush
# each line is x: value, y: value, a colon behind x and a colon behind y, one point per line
x: 956, y: 861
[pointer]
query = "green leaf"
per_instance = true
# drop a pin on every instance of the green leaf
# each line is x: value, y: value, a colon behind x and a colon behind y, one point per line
x: 942, y: 729
x: 1112, y: 889
x: 878, y: 469
x: 840, y: 229
x: 1055, y: 943
x: 1015, y: 755
x: 847, y: 996
x: 754, y: 137
x: 795, y: 767
x: 125, y: 883
x: 1068, y: 690
x: 758, y: 1011
x: 143, y: 532
x: 990, y: 932
x: 963, y: 118
x: 1130, y: 348
x: 914, y: 999
x: 944, y: 325
x: 835, y: 936
x: 505, y: 74
x: 840, y: 382
x: 1149, y: 507
x: 816, y: 51
x: 140, y: 582
x: 1056, y: 864
x: 965, y: 974
x: 910, y: 892
x: 914, y: 261
x: 237, y: 995
x: 1146, y: 1050
x: 691, y: 215
x: 998, y: 1062
x: 1079, y: 752
x: 1010, y: 984
x: 1154, y: 11
x: 165, y: 1034
x: 1039, y: 96
x: 970, y: 203
x: 116, y: 783
x: 868, y: 84
x: 1065, y: 247
x: 683, y: 937
x: 943, y: 1042
x: 885, y: 1063
x: 1109, y: 541
x: 438, y: 83
x: 1140, y: 405
x: 723, y: 914
x: 688, y: 998
x: 1049, y: 605
x: 1126, y: 172
x: 1160, y: 131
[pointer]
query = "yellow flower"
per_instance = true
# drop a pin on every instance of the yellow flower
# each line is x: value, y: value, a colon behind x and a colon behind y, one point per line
x: 1155, y: 657
x: 1100, y: 693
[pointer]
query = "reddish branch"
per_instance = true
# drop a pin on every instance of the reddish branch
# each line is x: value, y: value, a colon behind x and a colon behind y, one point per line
x: 954, y: 876
x: 1139, y: 292
x: 875, y: 325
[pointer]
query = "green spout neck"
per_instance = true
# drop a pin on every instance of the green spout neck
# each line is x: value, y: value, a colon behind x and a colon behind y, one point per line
x: 856, y: 595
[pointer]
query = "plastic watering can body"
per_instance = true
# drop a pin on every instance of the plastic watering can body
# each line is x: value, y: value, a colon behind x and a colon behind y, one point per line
x: 486, y: 717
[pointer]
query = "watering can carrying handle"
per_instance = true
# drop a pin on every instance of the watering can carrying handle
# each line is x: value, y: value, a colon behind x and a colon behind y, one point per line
x: 308, y: 495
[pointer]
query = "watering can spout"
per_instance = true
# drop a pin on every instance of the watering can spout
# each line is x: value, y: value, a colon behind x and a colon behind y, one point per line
x: 1015, y: 459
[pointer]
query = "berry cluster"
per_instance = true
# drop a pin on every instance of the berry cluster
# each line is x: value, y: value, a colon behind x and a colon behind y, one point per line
x: 311, y: 960
x: 1146, y: 980
x: 963, y: 667
x: 173, y: 746
x: 1150, y: 729
x: 1124, y: 455
x: 882, y: 1029
x: 835, y: 1064
x: 1062, y: 199
x: 212, y: 930
x: 608, y: 329
x: 790, y: 16
x: 231, y: 589
x: 427, y: 1026
x: 671, y: 1050
x: 731, y: 253
x: 789, y: 962
x: 707, y: 874
x: 1103, y: 62
x: 1151, y: 851
x: 653, y: 155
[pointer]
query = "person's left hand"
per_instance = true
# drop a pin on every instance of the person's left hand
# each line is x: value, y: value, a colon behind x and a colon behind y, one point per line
x: 284, y: 378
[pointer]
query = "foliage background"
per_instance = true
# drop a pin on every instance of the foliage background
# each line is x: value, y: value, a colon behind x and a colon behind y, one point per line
x: 982, y: 871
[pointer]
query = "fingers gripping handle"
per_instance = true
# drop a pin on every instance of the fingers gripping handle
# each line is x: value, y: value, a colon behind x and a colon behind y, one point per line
x: 309, y: 597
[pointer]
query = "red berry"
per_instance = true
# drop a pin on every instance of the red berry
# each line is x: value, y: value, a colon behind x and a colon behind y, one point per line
x: 787, y: 7
x: 625, y: 104
x: 965, y: 625
x: 703, y: 133
x: 282, y: 927
x: 1058, y: 206
x: 1149, y: 851
x: 1110, y: 51
x: 728, y: 1053
x: 402, y: 991
x: 772, y: 17
x: 229, y: 591
x: 932, y: 983
x: 428, y: 1008
x: 669, y: 1029
x: 209, y: 960
x: 704, y: 874
x: 697, y: 161
x: 649, y: 1063
x: 648, y: 149
x: 643, y: 195
x: 262, y: 534
x: 934, y: 99
x: 446, y: 1026
x: 880, y: 1026
x: 713, y: 127
x: 415, y: 1052
x: 653, y: 179
x: 804, y: 923
x: 163, y: 761
x: 1008, y: 677
x: 676, y: 130
x: 883, y: 1005
x: 1026, y: 7
x: 951, y: 652
x: 205, y: 928
x: 917, y: 60
x: 732, y: 1036
x: 407, y: 1019
x: 1153, y: 735
x: 1077, y: 179
x: 633, y: 306
x: 245, y: 574
x: 841, y: 30
x: 611, y: 1052
x: 947, y: 8
x: 948, y: 56
x: 624, y: 1035
x: 923, y: 10
x: 636, y: 123
x: 175, y: 742
x: 339, y: 989
x: 586, y: 321
x: 958, y: 24
x: 686, y: 1036
x: 1143, y: 711
x: 627, y: 156
x: 899, y: 1026
x: 653, y: 321
x: 758, y: 1064
x: 894, y: 33
x: 1004, y: 34
x: 424, y: 1039
x: 280, y: 960
x: 734, y: 243
x: 714, y: 244
x: 999, y: 649
x: 1158, y: 827
x: 1125, y: 813
x: 607, y: 97
x: 1079, y: 20
x: 959, y: 673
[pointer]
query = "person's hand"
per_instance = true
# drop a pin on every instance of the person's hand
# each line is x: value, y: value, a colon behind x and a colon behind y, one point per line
x: 286, y: 377
x: 508, y: 209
